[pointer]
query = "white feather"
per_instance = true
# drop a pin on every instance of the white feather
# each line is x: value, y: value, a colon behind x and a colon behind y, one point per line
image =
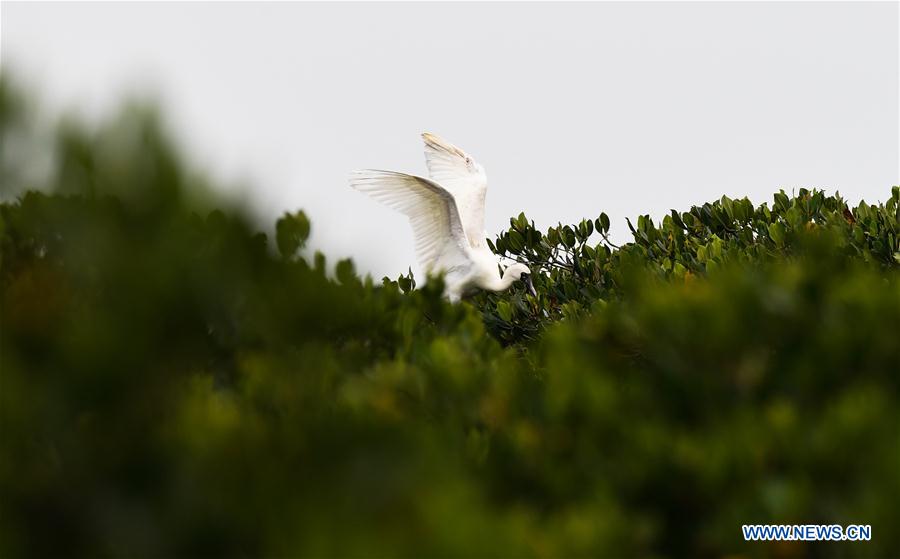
x: 439, y: 237
x: 447, y: 217
x: 464, y: 178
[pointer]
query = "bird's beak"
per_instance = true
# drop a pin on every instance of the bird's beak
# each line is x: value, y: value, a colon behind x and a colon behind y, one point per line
x: 530, y: 286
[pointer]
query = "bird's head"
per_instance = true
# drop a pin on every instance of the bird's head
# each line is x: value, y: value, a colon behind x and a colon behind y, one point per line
x: 522, y: 273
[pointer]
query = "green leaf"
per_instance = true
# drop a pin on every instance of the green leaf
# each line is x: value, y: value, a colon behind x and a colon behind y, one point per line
x: 568, y: 236
x: 522, y: 222
x: 630, y: 226
x: 319, y: 262
x: 553, y: 236
x: 516, y: 242
x: 504, y: 309
x: 404, y: 284
x: 781, y: 201
x: 728, y: 206
x: 345, y: 271
x: 291, y: 232
x: 776, y: 232
x: 602, y: 223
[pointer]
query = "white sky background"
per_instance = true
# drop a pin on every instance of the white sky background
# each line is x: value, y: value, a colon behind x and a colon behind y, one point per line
x: 573, y: 109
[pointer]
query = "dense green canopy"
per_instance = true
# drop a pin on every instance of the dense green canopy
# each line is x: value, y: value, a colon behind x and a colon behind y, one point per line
x: 175, y: 383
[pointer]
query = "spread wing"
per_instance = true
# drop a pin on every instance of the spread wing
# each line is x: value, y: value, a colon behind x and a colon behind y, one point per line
x: 439, y: 236
x: 460, y: 175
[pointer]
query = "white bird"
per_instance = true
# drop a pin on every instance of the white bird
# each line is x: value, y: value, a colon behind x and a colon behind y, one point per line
x: 447, y: 217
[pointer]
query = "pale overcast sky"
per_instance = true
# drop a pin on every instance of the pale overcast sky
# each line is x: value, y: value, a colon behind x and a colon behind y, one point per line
x: 573, y: 109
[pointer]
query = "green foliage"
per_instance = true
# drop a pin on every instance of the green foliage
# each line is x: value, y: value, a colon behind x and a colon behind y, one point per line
x: 291, y: 232
x: 580, y: 270
x: 171, y: 384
